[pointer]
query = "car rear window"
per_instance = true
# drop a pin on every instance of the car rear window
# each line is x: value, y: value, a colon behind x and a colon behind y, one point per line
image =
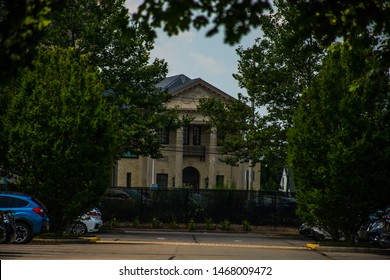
x: 17, y: 202
x: 36, y: 200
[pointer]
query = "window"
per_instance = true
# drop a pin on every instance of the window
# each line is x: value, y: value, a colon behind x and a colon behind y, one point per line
x: 128, y: 179
x: 4, y: 202
x: 220, y: 138
x: 196, y: 136
x: 219, y: 180
x: 186, y: 135
x: 162, y: 180
x: 164, y: 137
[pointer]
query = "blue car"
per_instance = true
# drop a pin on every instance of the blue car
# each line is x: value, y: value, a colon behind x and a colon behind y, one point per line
x: 30, y: 215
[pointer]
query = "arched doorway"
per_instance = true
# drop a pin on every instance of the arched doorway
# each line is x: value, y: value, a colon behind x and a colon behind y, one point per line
x: 191, y: 177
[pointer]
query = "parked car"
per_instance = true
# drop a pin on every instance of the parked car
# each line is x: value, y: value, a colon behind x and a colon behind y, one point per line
x: 7, y: 227
x: 89, y: 222
x: 137, y: 195
x: 30, y: 215
x: 117, y: 194
x: 384, y: 241
x: 375, y: 231
x: 377, y: 228
x: 314, y: 232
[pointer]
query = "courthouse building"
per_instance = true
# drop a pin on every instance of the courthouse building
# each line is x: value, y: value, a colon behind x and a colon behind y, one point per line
x: 190, y: 154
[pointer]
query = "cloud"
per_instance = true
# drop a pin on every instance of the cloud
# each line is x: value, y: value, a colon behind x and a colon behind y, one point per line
x: 132, y: 5
x: 193, y: 54
x: 207, y: 63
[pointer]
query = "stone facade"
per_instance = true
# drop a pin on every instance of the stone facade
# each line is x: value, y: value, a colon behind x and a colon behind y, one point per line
x: 190, y: 156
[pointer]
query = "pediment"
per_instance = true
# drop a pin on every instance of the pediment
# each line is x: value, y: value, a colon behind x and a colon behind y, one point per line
x: 187, y: 96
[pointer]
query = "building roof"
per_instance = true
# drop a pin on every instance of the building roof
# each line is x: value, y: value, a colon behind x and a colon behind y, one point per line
x: 170, y: 83
x: 178, y: 83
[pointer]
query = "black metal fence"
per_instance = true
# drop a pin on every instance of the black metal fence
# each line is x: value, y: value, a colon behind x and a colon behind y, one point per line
x: 181, y: 205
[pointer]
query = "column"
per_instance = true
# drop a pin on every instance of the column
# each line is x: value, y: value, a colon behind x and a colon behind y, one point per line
x: 212, y: 157
x: 179, y: 158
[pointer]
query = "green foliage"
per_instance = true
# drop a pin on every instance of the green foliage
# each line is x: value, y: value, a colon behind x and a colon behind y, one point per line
x: 22, y: 24
x: 120, y: 49
x: 225, y: 224
x: 362, y: 23
x: 191, y: 225
x: 274, y: 71
x: 136, y: 223
x: 156, y: 223
x: 209, y: 224
x: 338, y: 146
x: 113, y: 223
x: 173, y: 224
x: 237, y: 17
x: 246, y: 225
x: 326, y: 19
x: 60, y: 134
x: 232, y: 121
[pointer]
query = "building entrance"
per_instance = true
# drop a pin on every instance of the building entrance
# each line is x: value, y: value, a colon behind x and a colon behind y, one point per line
x: 191, y: 177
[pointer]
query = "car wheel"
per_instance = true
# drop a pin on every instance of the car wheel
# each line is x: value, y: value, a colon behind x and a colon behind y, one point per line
x: 78, y: 228
x: 23, y: 233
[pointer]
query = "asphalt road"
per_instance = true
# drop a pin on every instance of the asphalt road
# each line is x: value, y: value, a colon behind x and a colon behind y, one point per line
x: 143, y: 245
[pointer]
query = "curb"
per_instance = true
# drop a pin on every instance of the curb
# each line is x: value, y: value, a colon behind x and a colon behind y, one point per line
x: 378, y: 251
x: 85, y: 240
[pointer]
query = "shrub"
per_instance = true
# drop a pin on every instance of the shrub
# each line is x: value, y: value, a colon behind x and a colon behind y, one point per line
x: 156, y: 223
x: 136, y: 223
x: 173, y: 224
x: 225, y: 224
x: 209, y: 224
x: 246, y: 226
x: 191, y: 225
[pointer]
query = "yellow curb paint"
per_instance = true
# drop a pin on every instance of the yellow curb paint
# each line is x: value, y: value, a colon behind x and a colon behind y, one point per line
x: 92, y: 239
x: 312, y: 246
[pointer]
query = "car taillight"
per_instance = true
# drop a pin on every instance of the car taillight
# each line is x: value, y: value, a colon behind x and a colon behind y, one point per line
x: 39, y: 211
x: 94, y: 214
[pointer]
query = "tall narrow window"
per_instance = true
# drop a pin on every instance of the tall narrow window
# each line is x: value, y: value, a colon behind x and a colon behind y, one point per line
x: 128, y: 179
x: 164, y: 137
x: 196, y: 136
x: 162, y: 180
x: 186, y: 135
x: 220, y: 138
x: 220, y: 181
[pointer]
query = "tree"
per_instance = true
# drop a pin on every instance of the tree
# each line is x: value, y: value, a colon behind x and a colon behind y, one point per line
x: 327, y: 19
x: 338, y: 146
x: 237, y: 17
x: 121, y: 51
x: 274, y: 71
x: 61, y: 134
x: 233, y: 121
x: 22, y: 24
x: 362, y: 23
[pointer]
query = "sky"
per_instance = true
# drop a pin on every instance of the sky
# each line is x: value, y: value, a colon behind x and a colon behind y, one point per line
x: 197, y: 56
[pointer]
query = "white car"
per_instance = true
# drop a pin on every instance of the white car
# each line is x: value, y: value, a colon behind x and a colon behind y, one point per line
x: 89, y: 222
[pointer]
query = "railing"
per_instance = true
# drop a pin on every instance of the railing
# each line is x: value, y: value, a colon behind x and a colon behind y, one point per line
x: 258, y: 208
x: 194, y: 151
